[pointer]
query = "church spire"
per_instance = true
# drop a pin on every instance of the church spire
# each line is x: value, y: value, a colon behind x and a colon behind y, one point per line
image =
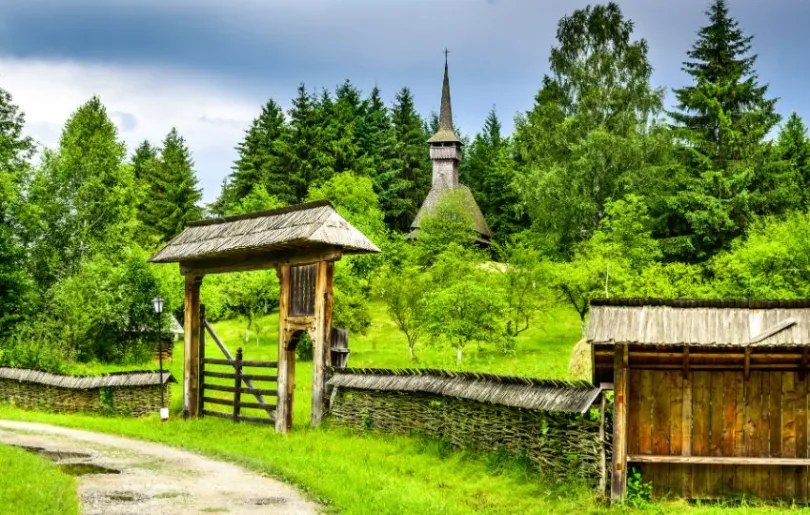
x: 445, y: 133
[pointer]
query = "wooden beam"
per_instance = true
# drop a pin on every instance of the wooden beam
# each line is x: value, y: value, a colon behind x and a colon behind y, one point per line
x: 805, y: 358
x: 321, y: 356
x: 747, y: 363
x: 618, y: 483
x: 707, y: 355
x: 248, y: 262
x: 686, y: 362
x: 775, y: 329
x: 286, y: 369
x: 191, y: 356
x: 718, y: 460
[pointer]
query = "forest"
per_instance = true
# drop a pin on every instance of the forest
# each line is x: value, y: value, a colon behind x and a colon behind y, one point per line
x: 599, y: 191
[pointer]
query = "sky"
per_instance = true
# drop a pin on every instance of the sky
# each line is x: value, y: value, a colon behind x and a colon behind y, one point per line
x: 207, y: 66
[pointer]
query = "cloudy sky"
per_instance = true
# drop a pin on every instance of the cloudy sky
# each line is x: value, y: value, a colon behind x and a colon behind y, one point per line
x: 207, y: 66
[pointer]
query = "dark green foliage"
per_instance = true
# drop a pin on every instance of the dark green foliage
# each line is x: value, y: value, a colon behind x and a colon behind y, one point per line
x: 304, y: 140
x: 639, y: 492
x: 15, y: 151
x: 410, y: 163
x: 721, y: 120
x: 263, y: 160
x: 489, y: 171
x: 793, y: 147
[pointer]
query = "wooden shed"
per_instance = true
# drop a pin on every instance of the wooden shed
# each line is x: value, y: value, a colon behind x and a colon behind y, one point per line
x: 710, y: 396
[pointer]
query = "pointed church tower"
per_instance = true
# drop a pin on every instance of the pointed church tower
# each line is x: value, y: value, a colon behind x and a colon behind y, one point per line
x: 445, y: 152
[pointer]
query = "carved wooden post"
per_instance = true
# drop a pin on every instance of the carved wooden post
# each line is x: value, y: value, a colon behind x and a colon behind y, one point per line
x: 321, y: 356
x: 191, y: 357
x: 285, y: 382
x: 618, y: 481
x: 201, y: 394
x: 237, y: 392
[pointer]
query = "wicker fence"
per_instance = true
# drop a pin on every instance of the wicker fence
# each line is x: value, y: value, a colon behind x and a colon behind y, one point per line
x: 564, y: 440
x: 131, y: 394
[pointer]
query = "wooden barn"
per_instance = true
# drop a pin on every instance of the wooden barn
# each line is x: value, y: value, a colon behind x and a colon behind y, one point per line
x: 710, y: 396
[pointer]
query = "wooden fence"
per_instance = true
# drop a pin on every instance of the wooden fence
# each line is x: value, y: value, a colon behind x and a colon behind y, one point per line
x: 220, y: 389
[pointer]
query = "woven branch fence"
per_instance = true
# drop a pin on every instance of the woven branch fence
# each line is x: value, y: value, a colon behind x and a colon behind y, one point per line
x: 134, y: 394
x: 562, y: 445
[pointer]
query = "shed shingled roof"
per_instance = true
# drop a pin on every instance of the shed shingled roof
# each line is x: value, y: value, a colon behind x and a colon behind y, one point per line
x: 87, y: 382
x: 520, y: 392
x: 432, y: 199
x: 710, y: 323
x: 298, y: 227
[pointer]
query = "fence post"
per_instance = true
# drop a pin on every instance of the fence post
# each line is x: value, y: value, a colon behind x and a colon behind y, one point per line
x: 237, y: 394
x: 201, y: 398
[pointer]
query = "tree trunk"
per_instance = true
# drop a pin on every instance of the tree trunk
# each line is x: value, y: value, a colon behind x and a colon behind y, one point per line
x: 458, y: 355
x: 410, y: 351
x: 584, y: 325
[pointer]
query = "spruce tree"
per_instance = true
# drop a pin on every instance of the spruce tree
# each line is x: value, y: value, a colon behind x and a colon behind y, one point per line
x: 304, y: 142
x: 412, y: 167
x: 16, y: 149
x: 376, y: 137
x: 177, y: 194
x: 724, y: 115
x: 263, y: 160
x: 145, y: 165
x: 793, y: 146
x: 729, y: 175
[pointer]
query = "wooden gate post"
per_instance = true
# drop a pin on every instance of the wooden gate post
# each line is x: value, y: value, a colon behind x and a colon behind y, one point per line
x: 191, y: 356
x: 285, y: 383
x: 321, y: 346
x: 618, y: 480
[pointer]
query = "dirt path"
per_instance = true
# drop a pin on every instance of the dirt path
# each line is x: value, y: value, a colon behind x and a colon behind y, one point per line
x: 122, y: 476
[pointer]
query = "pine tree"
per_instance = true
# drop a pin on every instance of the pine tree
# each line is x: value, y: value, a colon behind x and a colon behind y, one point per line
x: 178, y: 194
x: 489, y: 172
x: 793, y: 146
x: 345, y: 123
x: 376, y: 137
x: 145, y: 164
x: 16, y: 150
x: 729, y: 176
x: 412, y: 167
x: 724, y: 115
x: 263, y: 160
x: 304, y: 142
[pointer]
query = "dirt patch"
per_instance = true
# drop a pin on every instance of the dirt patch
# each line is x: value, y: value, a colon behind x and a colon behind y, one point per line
x: 119, y: 476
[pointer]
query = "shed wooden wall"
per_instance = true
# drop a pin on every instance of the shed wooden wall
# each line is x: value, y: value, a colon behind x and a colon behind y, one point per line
x: 719, y: 413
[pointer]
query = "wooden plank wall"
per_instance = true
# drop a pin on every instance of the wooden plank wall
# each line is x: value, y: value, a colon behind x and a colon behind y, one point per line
x: 720, y: 414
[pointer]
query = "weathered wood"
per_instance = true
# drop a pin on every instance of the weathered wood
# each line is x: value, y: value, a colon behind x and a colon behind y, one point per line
x: 217, y: 400
x: 767, y: 333
x: 284, y: 408
x: 201, y: 402
x: 322, y: 339
x: 805, y: 359
x: 219, y: 375
x: 645, y: 417
x: 637, y: 355
x: 237, y: 385
x: 747, y: 363
x: 257, y: 420
x: 256, y: 405
x: 257, y: 377
x: 231, y: 389
x: 217, y: 414
x: 602, y: 454
x: 191, y: 356
x: 685, y: 361
x: 229, y: 361
x: 619, y: 473
x: 302, y: 290
x: 717, y: 460
x: 265, y: 261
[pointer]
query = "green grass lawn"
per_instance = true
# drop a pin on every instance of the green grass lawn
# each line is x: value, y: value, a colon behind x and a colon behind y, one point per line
x: 375, y: 473
x: 32, y: 485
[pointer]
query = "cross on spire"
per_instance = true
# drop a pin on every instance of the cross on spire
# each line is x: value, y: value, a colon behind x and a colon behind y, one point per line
x: 445, y: 55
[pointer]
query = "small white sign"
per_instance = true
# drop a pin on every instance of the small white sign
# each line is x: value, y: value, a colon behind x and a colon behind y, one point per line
x: 164, y: 413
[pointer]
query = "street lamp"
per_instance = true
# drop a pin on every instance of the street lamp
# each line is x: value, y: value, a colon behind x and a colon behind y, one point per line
x: 157, y: 302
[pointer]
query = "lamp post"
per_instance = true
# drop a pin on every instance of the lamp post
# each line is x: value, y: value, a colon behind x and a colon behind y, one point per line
x: 157, y: 303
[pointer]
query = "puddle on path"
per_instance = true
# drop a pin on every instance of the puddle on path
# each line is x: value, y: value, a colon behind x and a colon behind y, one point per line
x: 73, y: 469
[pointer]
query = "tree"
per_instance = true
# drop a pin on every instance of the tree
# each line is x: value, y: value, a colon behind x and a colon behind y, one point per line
x: 263, y: 159
x: 175, y: 193
x: 489, y: 171
x: 145, y: 168
x: 721, y: 121
x: 257, y: 200
x: 403, y: 290
x: 304, y: 142
x: 410, y: 162
x: 83, y: 197
x: 16, y: 150
x: 586, y: 138
x: 522, y: 282
x: 449, y: 222
x: 376, y: 137
x: 793, y: 146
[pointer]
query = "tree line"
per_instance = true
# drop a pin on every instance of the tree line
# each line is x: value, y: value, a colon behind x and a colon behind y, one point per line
x: 599, y: 191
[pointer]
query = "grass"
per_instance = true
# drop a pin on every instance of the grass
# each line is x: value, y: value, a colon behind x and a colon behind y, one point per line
x: 32, y: 485
x: 373, y: 473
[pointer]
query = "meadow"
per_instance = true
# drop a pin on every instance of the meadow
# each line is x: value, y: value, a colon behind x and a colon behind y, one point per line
x: 358, y: 473
x: 33, y: 485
